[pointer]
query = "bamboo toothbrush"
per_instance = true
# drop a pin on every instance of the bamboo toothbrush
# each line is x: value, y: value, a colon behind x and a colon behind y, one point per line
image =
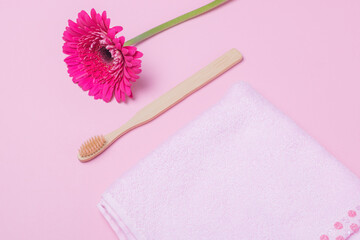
x: 96, y: 145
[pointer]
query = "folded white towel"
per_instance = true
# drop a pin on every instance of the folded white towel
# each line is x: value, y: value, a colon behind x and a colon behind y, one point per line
x: 243, y: 170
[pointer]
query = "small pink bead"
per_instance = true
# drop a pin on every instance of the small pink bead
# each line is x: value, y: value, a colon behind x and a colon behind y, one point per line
x: 338, y: 225
x: 354, y: 227
x: 324, y: 237
x: 351, y: 213
x: 340, y: 238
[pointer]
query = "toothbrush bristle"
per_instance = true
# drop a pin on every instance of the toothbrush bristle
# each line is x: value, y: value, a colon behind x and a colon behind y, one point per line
x: 91, y: 146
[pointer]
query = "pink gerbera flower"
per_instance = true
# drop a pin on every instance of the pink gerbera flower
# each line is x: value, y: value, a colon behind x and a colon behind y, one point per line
x: 106, y: 65
x: 98, y: 61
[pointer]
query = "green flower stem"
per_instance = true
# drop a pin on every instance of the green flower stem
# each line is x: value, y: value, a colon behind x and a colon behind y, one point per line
x: 174, y: 22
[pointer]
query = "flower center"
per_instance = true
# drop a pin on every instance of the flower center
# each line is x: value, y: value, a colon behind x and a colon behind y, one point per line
x: 105, y: 55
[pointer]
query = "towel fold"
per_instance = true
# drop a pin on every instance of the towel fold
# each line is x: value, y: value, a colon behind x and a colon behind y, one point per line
x: 242, y: 170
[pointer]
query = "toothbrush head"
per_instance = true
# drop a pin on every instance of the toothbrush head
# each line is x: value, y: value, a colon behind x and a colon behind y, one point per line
x: 91, y: 148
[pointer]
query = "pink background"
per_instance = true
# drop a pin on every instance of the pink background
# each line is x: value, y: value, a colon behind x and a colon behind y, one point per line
x: 304, y: 56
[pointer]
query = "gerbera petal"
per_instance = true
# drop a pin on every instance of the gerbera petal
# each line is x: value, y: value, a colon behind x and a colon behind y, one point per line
x: 107, y: 92
x: 118, y: 29
x: 86, y: 83
x: 99, y: 21
x: 117, y: 93
x: 122, y: 87
x: 72, y: 32
x: 127, y: 82
x: 93, y: 14
x: 104, y: 18
x: 131, y: 50
x: 111, y: 33
x: 117, y: 43
x: 108, y: 41
x: 80, y: 20
x: 87, y: 18
x: 72, y: 24
x: 126, y: 73
x: 136, y: 62
x: 95, y: 89
x: 128, y: 58
x: 138, y: 54
x: 71, y: 57
x: 68, y: 50
x: 122, y: 40
x: 124, y: 50
x: 79, y: 78
x: 131, y: 73
x: 136, y: 70
x: 98, y: 95
x: 77, y: 30
x: 72, y: 63
x: 68, y: 37
x: 127, y: 90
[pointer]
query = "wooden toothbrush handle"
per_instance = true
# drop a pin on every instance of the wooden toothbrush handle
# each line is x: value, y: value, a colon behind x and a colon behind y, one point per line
x: 179, y: 92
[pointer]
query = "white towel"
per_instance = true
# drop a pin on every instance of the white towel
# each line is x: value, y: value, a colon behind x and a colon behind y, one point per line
x: 243, y: 170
